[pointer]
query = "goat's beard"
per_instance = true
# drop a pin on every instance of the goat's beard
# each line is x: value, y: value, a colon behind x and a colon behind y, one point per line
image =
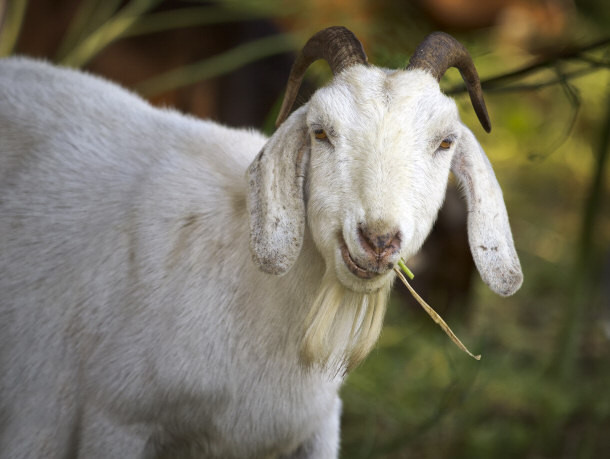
x: 342, y: 326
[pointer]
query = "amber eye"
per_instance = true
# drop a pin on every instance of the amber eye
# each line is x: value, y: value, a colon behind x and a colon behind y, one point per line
x: 445, y: 144
x: 320, y: 134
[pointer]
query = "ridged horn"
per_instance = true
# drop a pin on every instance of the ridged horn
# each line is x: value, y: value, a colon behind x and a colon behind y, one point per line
x: 337, y: 45
x: 437, y: 53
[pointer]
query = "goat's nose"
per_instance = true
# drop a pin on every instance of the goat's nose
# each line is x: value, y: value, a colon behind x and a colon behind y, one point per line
x: 379, y: 245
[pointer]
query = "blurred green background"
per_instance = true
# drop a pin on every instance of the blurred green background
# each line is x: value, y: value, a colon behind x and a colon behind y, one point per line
x: 542, y: 388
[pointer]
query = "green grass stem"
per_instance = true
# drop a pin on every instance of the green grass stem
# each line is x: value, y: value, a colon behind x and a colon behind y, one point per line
x: 407, y: 271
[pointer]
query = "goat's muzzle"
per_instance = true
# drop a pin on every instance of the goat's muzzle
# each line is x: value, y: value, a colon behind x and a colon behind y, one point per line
x: 376, y: 255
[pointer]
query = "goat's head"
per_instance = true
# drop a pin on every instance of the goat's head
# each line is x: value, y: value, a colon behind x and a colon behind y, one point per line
x: 365, y: 165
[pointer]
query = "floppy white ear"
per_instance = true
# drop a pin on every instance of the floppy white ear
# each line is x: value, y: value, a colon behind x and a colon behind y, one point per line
x: 489, y: 235
x: 275, y: 196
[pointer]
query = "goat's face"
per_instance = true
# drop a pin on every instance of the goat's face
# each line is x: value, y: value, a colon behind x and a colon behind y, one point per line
x: 365, y: 164
x: 381, y: 149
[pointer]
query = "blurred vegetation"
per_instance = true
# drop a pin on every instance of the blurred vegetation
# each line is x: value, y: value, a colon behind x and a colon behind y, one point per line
x: 541, y: 388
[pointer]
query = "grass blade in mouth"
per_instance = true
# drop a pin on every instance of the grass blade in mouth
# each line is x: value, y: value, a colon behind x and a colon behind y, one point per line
x: 431, y: 312
x: 406, y: 270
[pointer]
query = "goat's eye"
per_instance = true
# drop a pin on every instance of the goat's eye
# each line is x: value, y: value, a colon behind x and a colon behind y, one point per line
x: 319, y: 134
x: 445, y: 144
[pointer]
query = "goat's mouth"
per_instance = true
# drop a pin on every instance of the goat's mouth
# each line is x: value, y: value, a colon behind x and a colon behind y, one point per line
x: 354, y: 267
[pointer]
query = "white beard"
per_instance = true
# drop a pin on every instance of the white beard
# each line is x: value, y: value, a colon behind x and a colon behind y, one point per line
x: 342, y: 325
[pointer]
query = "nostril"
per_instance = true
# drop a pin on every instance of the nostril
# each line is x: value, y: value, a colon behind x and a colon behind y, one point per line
x: 365, y: 240
x: 380, y: 244
x: 391, y: 244
x: 395, y: 242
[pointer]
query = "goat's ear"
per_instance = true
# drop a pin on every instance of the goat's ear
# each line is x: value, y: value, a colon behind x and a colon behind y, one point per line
x: 275, y: 196
x: 489, y: 235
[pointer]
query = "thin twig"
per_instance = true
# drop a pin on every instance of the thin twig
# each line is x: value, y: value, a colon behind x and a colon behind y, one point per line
x: 593, y: 61
x: 568, y: 76
x: 490, y: 83
x: 573, y: 98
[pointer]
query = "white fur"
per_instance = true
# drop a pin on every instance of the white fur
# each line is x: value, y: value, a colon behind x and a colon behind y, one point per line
x: 133, y: 320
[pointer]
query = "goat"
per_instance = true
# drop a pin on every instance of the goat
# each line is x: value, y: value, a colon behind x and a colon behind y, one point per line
x: 171, y: 287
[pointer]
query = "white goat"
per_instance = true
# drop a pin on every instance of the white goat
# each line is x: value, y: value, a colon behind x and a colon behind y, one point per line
x: 134, y: 322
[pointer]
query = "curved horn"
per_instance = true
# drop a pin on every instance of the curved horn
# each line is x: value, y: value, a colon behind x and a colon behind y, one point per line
x: 337, y: 45
x: 437, y: 53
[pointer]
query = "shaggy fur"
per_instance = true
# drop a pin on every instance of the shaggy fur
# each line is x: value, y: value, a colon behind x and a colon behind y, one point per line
x: 342, y: 326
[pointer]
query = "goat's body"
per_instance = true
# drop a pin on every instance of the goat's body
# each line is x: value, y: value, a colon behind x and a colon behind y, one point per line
x: 126, y: 298
x: 135, y: 316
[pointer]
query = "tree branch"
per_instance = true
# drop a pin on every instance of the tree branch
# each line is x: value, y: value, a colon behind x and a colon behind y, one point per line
x: 497, y: 82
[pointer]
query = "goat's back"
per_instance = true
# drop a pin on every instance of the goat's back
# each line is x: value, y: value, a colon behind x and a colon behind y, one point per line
x: 81, y: 160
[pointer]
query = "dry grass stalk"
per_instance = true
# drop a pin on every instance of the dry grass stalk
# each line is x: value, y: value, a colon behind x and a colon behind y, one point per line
x: 438, y: 319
